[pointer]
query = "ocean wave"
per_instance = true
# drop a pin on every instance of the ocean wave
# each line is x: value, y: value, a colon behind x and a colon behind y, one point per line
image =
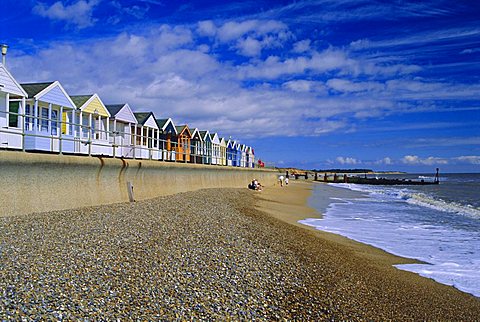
x: 412, y: 197
x: 424, y: 200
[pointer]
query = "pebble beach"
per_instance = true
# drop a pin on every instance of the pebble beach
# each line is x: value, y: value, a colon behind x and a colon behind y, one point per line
x: 213, y: 254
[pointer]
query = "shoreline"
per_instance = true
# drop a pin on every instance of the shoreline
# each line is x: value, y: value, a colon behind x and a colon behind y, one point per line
x: 294, y: 207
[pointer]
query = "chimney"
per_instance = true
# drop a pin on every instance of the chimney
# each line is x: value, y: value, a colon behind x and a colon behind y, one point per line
x: 4, y: 53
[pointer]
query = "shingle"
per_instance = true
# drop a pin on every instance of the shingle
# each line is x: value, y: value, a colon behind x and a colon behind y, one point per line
x: 79, y: 100
x: 33, y: 89
x: 114, y: 108
x: 142, y: 117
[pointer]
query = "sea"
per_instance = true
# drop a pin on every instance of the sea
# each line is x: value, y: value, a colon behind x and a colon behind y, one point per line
x: 438, y: 225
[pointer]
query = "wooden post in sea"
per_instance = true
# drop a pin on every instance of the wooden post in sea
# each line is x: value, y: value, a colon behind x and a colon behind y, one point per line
x: 325, y: 178
x: 437, y: 179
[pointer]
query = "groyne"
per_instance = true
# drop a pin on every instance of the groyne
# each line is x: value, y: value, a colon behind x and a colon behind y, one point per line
x: 33, y: 182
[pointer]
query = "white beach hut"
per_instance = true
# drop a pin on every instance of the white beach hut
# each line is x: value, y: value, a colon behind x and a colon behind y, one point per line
x: 147, y: 136
x: 12, y: 105
x: 215, y: 149
x: 49, y: 118
x: 122, y: 120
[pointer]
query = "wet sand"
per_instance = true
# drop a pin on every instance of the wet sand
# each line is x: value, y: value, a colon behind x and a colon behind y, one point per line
x: 399, y: 294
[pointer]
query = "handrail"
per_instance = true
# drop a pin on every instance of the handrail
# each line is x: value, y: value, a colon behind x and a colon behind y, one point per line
x: 94, y: 139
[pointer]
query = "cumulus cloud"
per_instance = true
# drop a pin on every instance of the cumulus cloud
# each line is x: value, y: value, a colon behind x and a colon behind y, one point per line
x: 79, y: 14
x: 385, y: 161
x: 414, y: 159
x: 469, y: 159
x: 301, y: 46
x: 347, y: 160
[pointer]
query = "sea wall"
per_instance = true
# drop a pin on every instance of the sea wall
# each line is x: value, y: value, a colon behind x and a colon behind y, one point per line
x: 33, y: 182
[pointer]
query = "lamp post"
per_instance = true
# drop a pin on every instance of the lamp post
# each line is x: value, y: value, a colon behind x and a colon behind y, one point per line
x: 4, y: 53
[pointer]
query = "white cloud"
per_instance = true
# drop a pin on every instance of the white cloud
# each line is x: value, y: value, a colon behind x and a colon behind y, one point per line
x: 413, y: 160
x: 343, y: 85
x: 233, y: 30
x: 469, y: 159
x: 301, y: 46
x: 347, y: 160
x: 386, y: 161
x: 305, y: 86
x: 249, y: 47
x: 206, y: 28
x: 79, y: 13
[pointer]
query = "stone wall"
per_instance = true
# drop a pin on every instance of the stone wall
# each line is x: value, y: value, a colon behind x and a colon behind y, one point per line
x: 34, y: 182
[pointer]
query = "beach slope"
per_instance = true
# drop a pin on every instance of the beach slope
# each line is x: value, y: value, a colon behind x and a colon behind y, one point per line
x: 212, y: 254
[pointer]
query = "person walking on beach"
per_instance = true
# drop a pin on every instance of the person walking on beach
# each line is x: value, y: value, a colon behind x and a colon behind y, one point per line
x: 281, y: 180
x: 286, y: 181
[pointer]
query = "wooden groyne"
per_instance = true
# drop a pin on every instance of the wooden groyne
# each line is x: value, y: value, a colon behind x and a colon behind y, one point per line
x: 375, y: 181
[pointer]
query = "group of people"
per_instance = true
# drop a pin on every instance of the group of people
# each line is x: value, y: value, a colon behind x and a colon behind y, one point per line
x: 255, y: 185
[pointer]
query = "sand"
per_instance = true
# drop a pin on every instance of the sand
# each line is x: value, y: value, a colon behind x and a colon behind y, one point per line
x: 399, y: 294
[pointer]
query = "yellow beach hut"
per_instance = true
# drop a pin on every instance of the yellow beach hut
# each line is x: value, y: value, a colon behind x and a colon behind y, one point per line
x: 223, y: 151
x: 12, y: 104
x: 92, y: 132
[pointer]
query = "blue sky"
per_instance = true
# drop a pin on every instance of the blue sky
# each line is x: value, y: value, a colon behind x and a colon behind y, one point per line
x: 315, y: 84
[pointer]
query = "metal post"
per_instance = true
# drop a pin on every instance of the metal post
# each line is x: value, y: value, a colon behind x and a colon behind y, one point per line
x: 60, y: 132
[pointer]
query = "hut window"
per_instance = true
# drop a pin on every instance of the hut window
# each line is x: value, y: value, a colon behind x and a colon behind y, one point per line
x: 44, y: 121
x: 54, y: 122
x: 13, y: 115
x: 27, y: 119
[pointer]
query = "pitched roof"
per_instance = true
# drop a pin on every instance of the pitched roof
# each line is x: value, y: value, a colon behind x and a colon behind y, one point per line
x: 180, y: 128
x: 142, y: 117
x: 161, y: 122
x: 33, y: 89
x: 114, y: 108
x: 79, y: 100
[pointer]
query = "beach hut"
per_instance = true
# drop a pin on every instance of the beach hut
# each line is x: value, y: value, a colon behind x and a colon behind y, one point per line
x: 250, y: 157
x: 49, y: 118
x: 238, y: 154
x: 207, y: 147
x: 215, y: 148
x: 12, y: 105
x: 183, y: 143
x: 243, y: 155
x: 92, y: 132
x: 223, y: 151
x: 231, y: 153
x: 168, y: 132
x: 146, y: 136
x: 122, y: 120
x: 196, y: 147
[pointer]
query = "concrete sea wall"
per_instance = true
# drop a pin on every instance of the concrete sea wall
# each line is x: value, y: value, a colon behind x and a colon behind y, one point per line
x: 32, y: 182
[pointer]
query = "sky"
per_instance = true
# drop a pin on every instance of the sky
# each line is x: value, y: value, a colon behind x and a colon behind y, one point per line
x: 384, y: 85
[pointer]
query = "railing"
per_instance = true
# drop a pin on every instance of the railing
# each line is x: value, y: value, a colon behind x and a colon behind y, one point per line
x: 80, y: 139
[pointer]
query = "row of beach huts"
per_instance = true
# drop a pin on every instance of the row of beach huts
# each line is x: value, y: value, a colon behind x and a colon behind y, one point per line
x: 43, y: 117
